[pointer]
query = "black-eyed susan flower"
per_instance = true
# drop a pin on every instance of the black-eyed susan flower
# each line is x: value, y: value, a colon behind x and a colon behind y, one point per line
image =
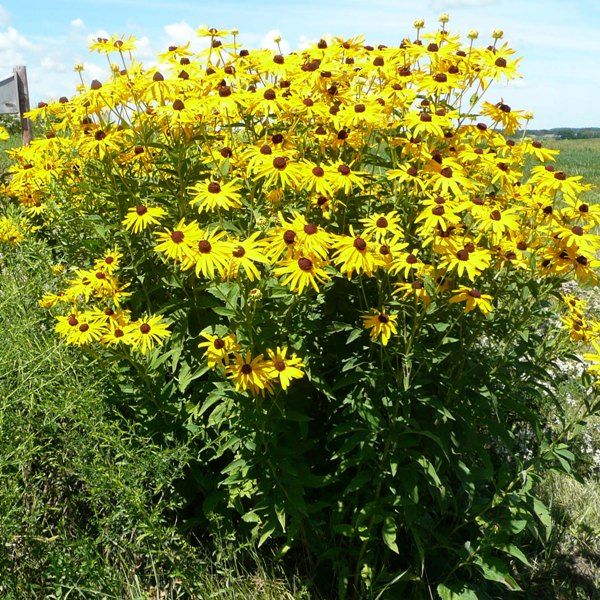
x: 180, y: 243
x: 141, y: 217
x: 382, y: 226
x: 380, y: 324
x: 250, y: 374
x: 217, y: 349
x: 354, y: 254
x: 214, y: 195
x: 243, y: 255
x: 284, y: 368
x: 301, y: 273
x: 210, y: 256
x: 146, y: 333
x: 469, y: 261
x: 473, y: 299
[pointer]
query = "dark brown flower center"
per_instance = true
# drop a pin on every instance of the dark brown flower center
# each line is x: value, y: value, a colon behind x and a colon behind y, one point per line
x: 141, y: 210
x: 219, y: 344
x: 239, y: 252
x: 213, y: 187
x: 360, y: 244
x: 84, y: 327
x: 382, y: 222
x: 425, y: 117
x: 109, y: 260
x: 438, y: 211
x: 462, y: 254
x: 280, y: 162
x: 73, y: 321
x: 441, y: 77
x: 344, y: 169
x: 204, y: 246
x: 577, y: 230
x: 500, y: 62
x: 495, y: 215
x: 178, y: 105
x: 279, y: 365
x: 289, y: 237
x: 269, y: 95
x: 177, y: 237
x: 522, y: 245
x: 246, y: 369
x: 384, y: 250
x: 584, y: 208
x: 560, y: 175
x: 145, y: 328
x: 475, y: 293
x: 310, y: 229
x: 119, y: 333
x: 446, y: 172
x: 412, y: 171
x: 411, y: 259
x: 360, y: 108
x: 305, y: 264
x: 383, y: 318
x: 318, y: 172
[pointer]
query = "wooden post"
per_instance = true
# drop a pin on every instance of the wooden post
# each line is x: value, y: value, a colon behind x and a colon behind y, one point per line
x: 23, y: 92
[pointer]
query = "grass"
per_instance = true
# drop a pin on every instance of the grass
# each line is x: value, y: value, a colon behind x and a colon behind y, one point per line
x: 87, y: 502
x: 580, y: 157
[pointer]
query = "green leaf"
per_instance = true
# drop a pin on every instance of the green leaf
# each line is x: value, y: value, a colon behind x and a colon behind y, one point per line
x: 389, y: 534
x: 456, y: 591
x: 495, y: 569
x: 516, y: 552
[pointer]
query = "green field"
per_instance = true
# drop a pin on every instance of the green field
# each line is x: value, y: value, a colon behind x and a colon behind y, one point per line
x: 580, y: 157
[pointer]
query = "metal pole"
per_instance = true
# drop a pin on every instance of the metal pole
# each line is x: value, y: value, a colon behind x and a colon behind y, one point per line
x: 23, y: 91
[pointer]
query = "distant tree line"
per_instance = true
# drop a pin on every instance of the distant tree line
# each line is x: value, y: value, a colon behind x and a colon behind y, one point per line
x: 567, y: 133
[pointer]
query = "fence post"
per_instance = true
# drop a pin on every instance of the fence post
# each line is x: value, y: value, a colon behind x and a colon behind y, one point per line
x: 23, y: 92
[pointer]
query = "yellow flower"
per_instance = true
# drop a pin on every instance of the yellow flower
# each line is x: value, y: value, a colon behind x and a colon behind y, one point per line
x: 140, y: 217
x: 301, y: 273
x: 382, y: 226
x: 250, y: 374
x: 210, y: 255
x: 243, y: 254
x: 473, y: 298
x: 354, y: 254
x: 147, y: 333
x: 285, y: 368
x: 218, y: 349
x: 469, y: 261
x: 179, y: 244
x: 380, y: 324
x: 214, y: 195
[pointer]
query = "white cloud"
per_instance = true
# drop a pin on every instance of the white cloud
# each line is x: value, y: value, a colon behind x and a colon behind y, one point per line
x: 12, y: 48
x: 77, y: 23
x: 4, y: 16
x: 180, y: 33
x: 268, y: 41
x: 49, y: 64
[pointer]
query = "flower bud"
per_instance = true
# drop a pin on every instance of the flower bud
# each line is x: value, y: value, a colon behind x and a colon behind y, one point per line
x: 497, y: 34
x: 78, y: 68
x: 419, y: 24
x: 473, y: 34
x: 444, y: 18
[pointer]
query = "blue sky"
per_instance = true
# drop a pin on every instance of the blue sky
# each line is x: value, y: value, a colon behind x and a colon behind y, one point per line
x: 559, y: 39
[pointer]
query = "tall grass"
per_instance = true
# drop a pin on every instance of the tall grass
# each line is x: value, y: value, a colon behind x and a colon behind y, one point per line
x: 87, y: 502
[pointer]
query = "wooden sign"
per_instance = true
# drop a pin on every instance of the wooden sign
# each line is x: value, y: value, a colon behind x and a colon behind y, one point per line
x: 9, y: 96
x: 14, y: 99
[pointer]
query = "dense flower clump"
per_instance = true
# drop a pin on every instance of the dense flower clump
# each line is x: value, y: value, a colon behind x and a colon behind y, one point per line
x: 257, y: 205
x: 290, y: 179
